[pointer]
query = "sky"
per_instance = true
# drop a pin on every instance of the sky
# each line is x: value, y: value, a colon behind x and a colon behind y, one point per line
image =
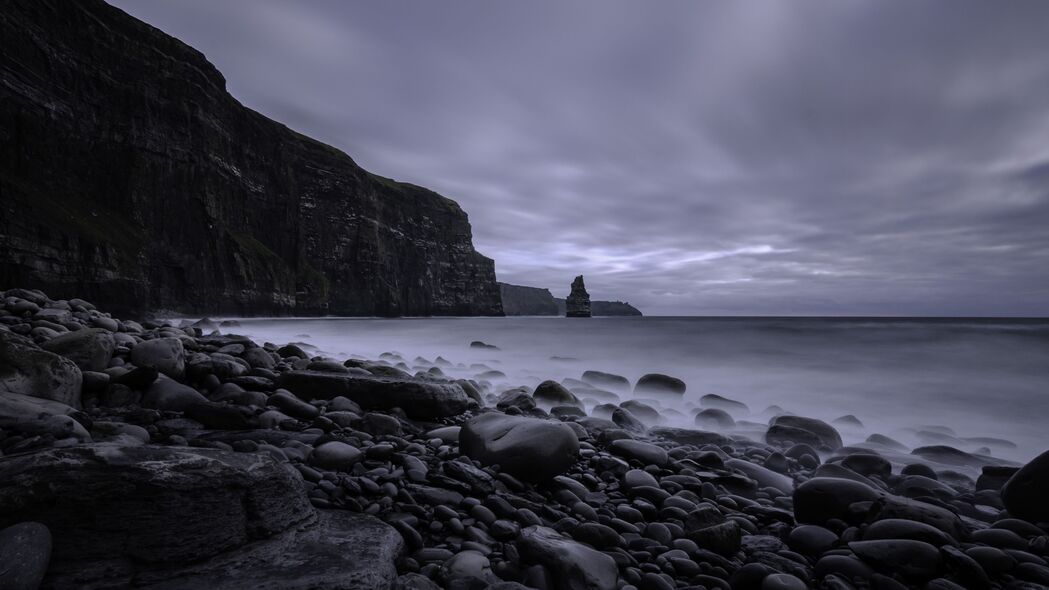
x: 830, y: 157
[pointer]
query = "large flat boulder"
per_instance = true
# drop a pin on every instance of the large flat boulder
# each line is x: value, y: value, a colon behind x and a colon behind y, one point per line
x: 90, y: 348
x: 29, y: 370
x: 34, y: 415
x: 789, y: 430
x: 419, y: 399
x: 159, y: 516
x: 528, y: 448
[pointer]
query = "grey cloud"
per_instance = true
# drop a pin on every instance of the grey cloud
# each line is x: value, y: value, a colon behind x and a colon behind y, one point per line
x: 823, y: 157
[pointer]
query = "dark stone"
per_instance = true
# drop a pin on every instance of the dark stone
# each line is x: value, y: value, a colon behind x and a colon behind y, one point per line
x: 643, y: 452
x: 1025, y: 494
x: 822, y: 499
x: 898, y: 528
x: 659, y: 384
x: 528, y: 448
x: 911, y: 559
x: 166, y: 355
x: 787, y: 430
x: 25, y: 551
x: 168, y: 394
x: 685, y: 436
x: 551, y: 393
x: 714, y: 417
x: 606, y: 380
x: 577, y: 305
x: 724, y: 539
x: 811, y: 540
x: 28, y: 370
x: 90, y: 348
x: 713, y: 400
x: 217, y: 416
x: 190, y: 517
x: 419, y: 399
x: 575, y: 566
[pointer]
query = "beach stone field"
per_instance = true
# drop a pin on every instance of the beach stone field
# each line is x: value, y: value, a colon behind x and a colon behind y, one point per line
x: 179, y: 454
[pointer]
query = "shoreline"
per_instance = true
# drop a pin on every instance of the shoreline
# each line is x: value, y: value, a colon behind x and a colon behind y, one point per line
x: 241, y: 461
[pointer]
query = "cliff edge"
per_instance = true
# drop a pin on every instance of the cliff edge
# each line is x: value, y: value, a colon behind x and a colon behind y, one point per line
x: 128, y: 174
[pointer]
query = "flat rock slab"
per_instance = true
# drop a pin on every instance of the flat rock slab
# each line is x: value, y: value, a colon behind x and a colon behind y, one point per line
x: 341, y: 551
x: 419, y: 399
x: 126, y: 507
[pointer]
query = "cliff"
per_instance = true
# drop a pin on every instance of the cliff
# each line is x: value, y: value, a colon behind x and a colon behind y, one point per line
x: 521, y: 300
x: 128, y: 175
x: 602, y: 308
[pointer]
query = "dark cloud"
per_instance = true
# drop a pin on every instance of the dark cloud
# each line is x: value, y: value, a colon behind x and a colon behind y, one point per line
x: 822, y: 157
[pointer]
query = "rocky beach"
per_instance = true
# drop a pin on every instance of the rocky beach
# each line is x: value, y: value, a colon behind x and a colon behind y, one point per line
x: 179, y: 454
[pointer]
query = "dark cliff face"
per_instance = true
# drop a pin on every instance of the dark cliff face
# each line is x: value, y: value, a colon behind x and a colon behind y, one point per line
x: 128, y: 175
x: 520, y: 300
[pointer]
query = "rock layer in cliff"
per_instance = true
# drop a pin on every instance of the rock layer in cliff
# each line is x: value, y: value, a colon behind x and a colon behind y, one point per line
x: 129, y: 174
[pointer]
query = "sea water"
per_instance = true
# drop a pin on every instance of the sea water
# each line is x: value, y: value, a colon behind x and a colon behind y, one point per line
x: 919, y: 381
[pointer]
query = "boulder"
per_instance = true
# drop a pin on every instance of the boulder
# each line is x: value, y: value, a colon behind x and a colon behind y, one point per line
x: 574, y: 566
x: 1025, y: 494
x: 659, y: 384
x: 551, y: 393
x: 34, y: 415
x: 914, y: 560
x: 528, y: 448
x: 418, y: 399
x: 765, y: 478
x: 335, y: 456
x: 643, y: 452
x: 686, y: 436
x: 606, y: 380
x: 166, y: 355
x: 168, y: 394
x: 91, y: 348
x: 713, y: 400
x: 787, y: 430
x: 167, y: 517
x: 28, y: 370
x: 25, y: 550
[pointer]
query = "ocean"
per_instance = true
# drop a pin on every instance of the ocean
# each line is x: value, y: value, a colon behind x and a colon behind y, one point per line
x: 980, y: 385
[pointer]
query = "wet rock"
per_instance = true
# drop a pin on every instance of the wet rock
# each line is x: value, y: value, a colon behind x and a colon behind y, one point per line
x: 642, y: 411
x: 659, y: 383
x: 911, y: 559
x: 25, y: 551
x: 627, y: 421
x: 811, y: 540
x: 898, y: 528
x: 551, y: 393
x: 419, y: 399
x: 765, y: 478
x: 645, y: 453
x: 686, y: 436
x: 90, y: 348
x: 788, y: 430
x: 782, y: 582
x: 575, y: 566
x: 293, y: 406
x: 822, y: 499
x: 166, y: 355
x: 168, y: 394
x: 28, y: 370
x: 606, y: 380
x: 336, y: 456
x: 868, y: 464
x: 1025, y: 494
x: 723, y: 539
x: 714, y: 418
x: 528, y: 448
x: 713, y: 400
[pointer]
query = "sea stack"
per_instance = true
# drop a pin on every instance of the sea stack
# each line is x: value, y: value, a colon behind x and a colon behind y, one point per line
x: 578, y: 303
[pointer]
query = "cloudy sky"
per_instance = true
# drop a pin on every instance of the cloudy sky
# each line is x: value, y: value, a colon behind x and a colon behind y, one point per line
x: 757, y: 157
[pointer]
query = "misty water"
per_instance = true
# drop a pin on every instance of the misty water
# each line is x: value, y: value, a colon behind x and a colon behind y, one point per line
x: 920, y: 381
